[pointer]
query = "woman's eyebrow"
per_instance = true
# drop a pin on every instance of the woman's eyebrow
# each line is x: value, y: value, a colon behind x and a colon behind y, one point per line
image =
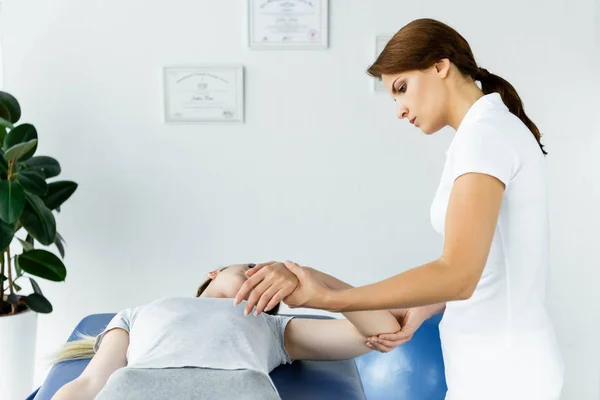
x: 394, y: 85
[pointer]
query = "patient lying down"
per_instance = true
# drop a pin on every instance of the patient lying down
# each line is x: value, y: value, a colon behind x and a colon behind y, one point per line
x: 204, y: 347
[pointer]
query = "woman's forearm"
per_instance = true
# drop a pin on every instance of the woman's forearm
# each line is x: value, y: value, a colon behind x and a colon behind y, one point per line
x: 368, y: 323
x: 330, y: 281
x: 432, y: 283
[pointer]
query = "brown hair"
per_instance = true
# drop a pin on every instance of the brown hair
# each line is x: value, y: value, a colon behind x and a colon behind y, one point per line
x: 204, y: 285
x: 423, y: 42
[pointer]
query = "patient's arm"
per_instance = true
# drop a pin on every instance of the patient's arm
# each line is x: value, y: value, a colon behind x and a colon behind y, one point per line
x: 110, y: 357
x: 313, y: 339
x: 317, y: 339
x: 368, y: 323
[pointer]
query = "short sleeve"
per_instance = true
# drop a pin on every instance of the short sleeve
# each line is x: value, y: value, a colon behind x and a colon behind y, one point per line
x: 278, y: 324
x: 483, y: 149
x: 123, y: 320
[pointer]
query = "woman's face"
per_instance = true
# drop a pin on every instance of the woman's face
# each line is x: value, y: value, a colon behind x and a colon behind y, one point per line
x: 227, y: 283
x: 421, y: 97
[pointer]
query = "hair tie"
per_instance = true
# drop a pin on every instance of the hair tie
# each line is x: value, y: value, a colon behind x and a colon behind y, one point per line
x: 481, y: 74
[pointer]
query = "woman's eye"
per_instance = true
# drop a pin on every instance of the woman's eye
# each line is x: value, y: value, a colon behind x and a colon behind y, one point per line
x: 402, y: 88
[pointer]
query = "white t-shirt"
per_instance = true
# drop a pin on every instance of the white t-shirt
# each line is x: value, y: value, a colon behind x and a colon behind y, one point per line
x: 500, y: 343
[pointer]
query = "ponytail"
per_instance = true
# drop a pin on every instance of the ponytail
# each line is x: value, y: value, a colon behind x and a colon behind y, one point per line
x: 491, y: 83
x: 80, y: 349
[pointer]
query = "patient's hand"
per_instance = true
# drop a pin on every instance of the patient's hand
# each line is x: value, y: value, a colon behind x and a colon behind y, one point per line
x: 269, y: 283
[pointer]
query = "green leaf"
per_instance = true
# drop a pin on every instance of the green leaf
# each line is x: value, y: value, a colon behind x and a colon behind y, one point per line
x: 26, y: 245
x: 38, y: 220
x: 48, y: 166
x: 18, y: 270
x: 5, y: 123
x: 35, y: 286
x: 21, y: 150
x: 60, y: 244
x: 38, y: 303
x: 44, y: 264
x: 33, y: 182
x: 21, y: 134
x: 5, y: 114
x: 58, y: 193
x: 3, y: 279
x: 6, y: 235
x: 17, y: 287
x: 12, y: 106
x: 3, y: 134
x: 29, y: 239
x: 12, y: 201
x: 3, y: 165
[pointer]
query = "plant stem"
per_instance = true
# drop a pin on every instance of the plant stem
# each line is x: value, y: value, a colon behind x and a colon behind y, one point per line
x: 10, y: 281
x: 10, y: 169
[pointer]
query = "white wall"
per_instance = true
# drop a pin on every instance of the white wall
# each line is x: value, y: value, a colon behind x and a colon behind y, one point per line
x: 321, y: 172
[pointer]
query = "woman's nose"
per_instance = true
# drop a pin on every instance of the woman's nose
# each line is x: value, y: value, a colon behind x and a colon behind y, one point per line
x: 401, y: 111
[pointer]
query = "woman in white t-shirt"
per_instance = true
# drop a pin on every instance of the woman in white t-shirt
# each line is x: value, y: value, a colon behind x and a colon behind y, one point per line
x: 497, y: 338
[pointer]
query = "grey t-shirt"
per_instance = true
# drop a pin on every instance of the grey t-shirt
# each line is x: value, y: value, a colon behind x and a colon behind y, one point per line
x: 211, y: 333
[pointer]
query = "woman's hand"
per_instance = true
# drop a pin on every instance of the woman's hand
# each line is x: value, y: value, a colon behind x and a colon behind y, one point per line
x: 269, y: 283
x: 410, y: 319
x: 311, y: 292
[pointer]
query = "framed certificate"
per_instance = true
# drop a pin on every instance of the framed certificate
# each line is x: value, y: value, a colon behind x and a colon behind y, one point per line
x: 288, y: 24
x: 380, y: 42
x: 209, y: 93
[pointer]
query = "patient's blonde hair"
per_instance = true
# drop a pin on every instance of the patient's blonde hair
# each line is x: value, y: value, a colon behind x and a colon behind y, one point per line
x: 80, y: 349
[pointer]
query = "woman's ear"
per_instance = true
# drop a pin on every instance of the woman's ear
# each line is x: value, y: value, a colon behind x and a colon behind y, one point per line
x: 442, y: 67
x: 213, y: 274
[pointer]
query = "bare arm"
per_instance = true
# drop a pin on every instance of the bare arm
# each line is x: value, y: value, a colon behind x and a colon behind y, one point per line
x: 110, y: 357
x: 368, y: 323
x: 471, y: 220
x: 315, y: 339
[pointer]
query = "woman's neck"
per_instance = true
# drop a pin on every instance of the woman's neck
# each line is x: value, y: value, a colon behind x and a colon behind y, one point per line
x: 465, y: 95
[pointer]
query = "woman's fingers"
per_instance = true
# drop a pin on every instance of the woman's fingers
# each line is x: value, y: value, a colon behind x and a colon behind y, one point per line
x: 256, y: 294
x: 391, y: 343
x: 258, y: 267
x: 378, y: 347
x: 265, y: 299
x: 384, y: 345
x: 246, y: 288
x: 279, y: 296
x: 394, y: 336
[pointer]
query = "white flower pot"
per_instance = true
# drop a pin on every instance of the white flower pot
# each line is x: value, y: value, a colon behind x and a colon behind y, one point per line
x: 17, y: 353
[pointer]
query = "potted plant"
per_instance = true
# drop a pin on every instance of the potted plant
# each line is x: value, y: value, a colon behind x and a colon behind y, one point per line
x: 27, y: 203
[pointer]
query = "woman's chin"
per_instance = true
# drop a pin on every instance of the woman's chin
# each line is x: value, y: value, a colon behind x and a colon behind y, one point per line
x: 428, y: 130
